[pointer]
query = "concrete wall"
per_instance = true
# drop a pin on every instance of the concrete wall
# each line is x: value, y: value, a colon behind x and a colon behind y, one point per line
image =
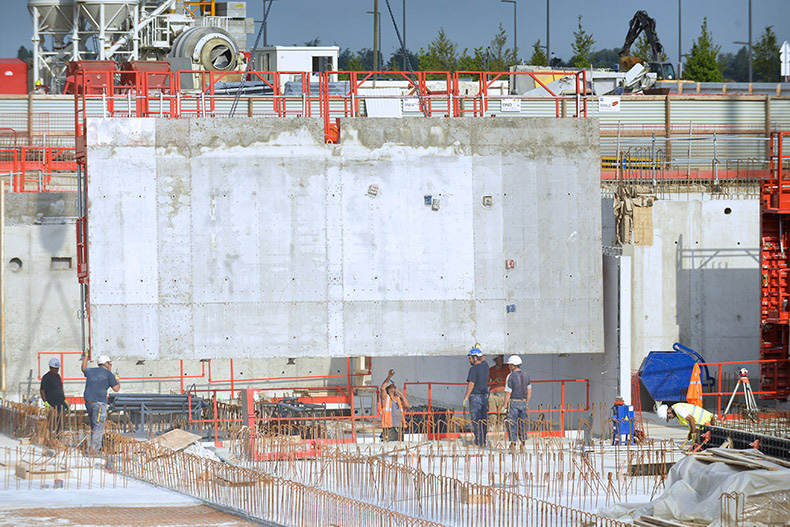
x: 699, y: 281
x: 41, y: 294
x: 253, y: 238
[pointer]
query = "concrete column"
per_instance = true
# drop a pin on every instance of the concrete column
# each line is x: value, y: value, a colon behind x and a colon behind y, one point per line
x: 625, y: 328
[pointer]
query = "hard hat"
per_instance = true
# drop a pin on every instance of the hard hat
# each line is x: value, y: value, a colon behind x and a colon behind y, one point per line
x: 103, y: 359
x: 475, y: 352
x: 39, y: 83
x: 662, y: 412
x: 54, y: 362
x: 515, y: 360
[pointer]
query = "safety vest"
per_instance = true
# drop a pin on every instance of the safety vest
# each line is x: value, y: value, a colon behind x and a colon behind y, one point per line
x: 386, y: 413
x: 701, y: 416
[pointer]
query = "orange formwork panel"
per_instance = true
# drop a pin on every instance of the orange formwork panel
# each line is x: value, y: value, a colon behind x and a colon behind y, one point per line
x: 775, y: 272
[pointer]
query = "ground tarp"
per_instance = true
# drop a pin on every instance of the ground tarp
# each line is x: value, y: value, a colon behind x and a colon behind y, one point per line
x: 694, y: 489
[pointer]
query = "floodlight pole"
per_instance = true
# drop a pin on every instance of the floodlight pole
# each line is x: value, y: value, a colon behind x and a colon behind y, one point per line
x: 515, y: 26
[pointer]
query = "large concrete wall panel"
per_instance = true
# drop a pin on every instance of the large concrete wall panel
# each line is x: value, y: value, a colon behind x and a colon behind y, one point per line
x: 253, y: 238
x: 698, y: 283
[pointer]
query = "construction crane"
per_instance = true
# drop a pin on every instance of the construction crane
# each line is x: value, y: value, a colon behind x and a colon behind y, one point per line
x: 639, y: 23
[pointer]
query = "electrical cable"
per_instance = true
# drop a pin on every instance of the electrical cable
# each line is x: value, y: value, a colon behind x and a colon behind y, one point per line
x: 249, y: 62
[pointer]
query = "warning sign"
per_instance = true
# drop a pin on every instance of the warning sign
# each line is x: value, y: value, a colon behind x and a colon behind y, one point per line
x: 609, y: 103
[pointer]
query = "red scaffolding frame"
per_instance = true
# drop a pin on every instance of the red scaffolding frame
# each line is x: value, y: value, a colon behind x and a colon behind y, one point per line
x: 775, y: 272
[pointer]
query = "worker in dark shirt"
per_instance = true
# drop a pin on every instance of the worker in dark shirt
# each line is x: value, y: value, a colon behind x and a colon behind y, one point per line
x: 97, y: 382
x: 52, y: 393
x: 518, y: 392
x: 476, y: 396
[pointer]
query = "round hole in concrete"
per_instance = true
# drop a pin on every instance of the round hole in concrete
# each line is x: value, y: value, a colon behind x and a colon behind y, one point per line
x: 727, y: 210
x: 15, y: 264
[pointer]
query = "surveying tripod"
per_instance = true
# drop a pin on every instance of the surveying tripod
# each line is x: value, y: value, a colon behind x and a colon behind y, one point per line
x: 748, y: 395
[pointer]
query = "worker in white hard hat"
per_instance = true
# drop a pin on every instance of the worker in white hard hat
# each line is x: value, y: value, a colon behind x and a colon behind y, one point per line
x: 691, y: 415
x: 52, y: 394
x: 518, y: 392
x: 476, y: 396
x: 97, y: 382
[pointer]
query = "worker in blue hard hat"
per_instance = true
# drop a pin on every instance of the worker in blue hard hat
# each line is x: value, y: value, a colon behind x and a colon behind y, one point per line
x: 476, y: 396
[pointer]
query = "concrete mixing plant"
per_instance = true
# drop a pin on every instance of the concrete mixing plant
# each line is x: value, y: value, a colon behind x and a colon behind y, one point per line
x: 196, y: 35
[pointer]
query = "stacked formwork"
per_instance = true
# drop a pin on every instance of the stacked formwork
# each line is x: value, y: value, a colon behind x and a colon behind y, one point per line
x: 775, y: 272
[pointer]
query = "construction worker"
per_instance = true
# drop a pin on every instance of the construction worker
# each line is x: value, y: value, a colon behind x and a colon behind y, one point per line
x: 476, y: 396
x: 688, y: 414
x: 518, y: 392
x: 52, y: 393
x: 97, y: 382
x: 393, y: 406
x: 496, y: 388
x: 39, y: 88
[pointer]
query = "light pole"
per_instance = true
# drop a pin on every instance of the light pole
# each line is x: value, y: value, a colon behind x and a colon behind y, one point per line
x: 750, y: 41
x: 515, y: 28
x: 376, y: 35
x: 548, y: 41
x: 680, y: 44
x: 404, y: 35
x: 265, y: 24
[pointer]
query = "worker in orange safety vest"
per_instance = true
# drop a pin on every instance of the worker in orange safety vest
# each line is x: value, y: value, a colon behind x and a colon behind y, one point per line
x: 393, y: 404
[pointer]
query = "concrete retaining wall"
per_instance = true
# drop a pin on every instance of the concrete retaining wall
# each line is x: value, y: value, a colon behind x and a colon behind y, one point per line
x: 699, y: 281
x: 253, y: 238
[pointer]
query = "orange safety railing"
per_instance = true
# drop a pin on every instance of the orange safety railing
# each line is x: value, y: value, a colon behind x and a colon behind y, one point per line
x: 480, y: 101
x: 32, y: 167
x: 562, y: 410
x: 722, y: 377
x: 181, y: 377
x: 193, y: 92
x: 776, y: 191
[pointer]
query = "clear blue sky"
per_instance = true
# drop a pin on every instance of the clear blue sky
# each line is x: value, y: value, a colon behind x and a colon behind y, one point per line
x: 473, y: 23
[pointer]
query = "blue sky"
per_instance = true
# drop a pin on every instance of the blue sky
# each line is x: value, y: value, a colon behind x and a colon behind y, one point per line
x: 473, y: 23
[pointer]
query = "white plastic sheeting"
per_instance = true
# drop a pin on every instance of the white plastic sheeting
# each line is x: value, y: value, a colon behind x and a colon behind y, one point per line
x: 694, y: 489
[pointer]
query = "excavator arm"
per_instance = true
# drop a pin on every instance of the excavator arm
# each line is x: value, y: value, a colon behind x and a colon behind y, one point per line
x: 642, y: 22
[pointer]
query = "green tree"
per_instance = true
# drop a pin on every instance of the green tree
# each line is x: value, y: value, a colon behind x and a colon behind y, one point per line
x: 702, y: 63
x: 605, y: 58
x: 24, y: 53
x: 765, y: 64
x: 582, y: 47
x: 501, y: 57
x: 441, y: 54
x: 354, y: 64
x: 538, y: 57
x: 396, y: 62
x: 736, y: 66
x: 477, y: 61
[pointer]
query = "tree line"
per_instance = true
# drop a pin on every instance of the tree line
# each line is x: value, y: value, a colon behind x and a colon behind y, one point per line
x: 704, y: 63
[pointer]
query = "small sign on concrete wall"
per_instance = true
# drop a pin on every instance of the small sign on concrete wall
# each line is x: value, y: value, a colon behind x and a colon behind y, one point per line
x: 609, y: 103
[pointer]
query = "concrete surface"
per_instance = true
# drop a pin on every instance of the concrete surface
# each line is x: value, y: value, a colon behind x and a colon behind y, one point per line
x: 252, y: 238
x: 699, y: 282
